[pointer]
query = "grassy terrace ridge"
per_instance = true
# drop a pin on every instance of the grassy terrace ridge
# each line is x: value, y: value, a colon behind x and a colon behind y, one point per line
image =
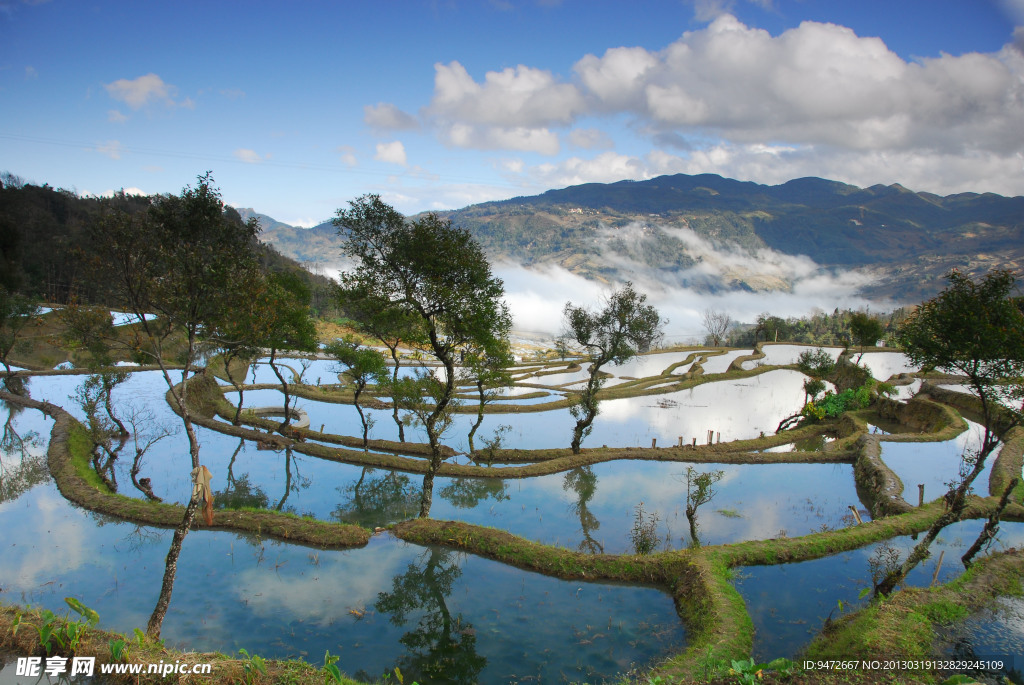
x: 208, y: 402
x: 68, y: 459
x: 96, y: 643
x: 661, y: 384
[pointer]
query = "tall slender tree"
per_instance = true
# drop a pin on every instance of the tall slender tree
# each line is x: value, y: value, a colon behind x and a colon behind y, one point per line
x: 182, y: 261
x: 625, y: 326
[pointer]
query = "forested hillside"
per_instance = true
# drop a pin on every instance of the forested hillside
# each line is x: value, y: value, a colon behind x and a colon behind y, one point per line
x: 46, y: 249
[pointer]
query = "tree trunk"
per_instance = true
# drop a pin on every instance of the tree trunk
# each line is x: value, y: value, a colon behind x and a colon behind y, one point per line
x: 284, y: 388
x: 237, y: 386
x: 988, y: 533
x: 956, y: 502
x: 479, y: 417
x: 427, y: 496
x: 156, y: 620
x: 587, y: 406
x: 362, y: 418
x: 692, y: 519
x: 394, y: 378
x: 436, y: 458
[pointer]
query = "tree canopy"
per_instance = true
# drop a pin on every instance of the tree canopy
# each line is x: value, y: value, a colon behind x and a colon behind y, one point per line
x: 625, y: 326
x: 975, y: 329
x: 434, y: 273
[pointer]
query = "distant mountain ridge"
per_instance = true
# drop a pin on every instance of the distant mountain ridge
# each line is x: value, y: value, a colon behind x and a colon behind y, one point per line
x: 673, y: 225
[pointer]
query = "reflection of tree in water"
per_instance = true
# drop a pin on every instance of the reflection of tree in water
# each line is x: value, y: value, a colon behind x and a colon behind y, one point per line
x: 442, y: 647
x: 20, y: 470
x: 583, y: 481
x: 291, y: 483
x: 466, y: 493
x: 378, y: 500
x: 239, y: 492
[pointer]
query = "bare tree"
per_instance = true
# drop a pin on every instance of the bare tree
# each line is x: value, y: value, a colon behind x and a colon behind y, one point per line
x: 717, y: 324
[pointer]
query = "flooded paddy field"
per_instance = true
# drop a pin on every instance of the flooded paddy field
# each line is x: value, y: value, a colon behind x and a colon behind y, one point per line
x: 395, y: 603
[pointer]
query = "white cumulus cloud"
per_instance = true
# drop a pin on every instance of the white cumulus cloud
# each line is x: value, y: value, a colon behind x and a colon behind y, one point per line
x: 393, y: 153
x: 817, y: 99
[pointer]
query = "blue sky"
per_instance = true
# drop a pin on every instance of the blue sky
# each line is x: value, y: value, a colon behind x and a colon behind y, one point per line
x: 299, y: 107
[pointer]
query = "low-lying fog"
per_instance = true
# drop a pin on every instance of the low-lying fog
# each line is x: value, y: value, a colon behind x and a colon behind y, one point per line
x: 538, y: 294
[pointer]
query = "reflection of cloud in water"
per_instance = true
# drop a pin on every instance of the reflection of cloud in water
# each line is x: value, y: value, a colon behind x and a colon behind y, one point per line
x: 738, y: 409
x: 778, y: 355
x: 58, y: 536
x: 884, y: 365
x: 647, y: 365
x: 325, y: 592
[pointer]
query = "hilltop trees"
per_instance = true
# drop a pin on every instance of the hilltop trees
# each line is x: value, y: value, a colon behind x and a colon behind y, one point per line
x: 625, y: 326
x: 438, y: 276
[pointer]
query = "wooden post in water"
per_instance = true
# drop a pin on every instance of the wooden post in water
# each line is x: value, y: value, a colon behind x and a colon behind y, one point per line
x: 935, y: 576
x: 654, y: 443
x: 856, y: 514
x: 711, y: 435
x: 718, y: 436
x: 680, y: 441
x: 322, y: 427
x: 694, y: 445
x: 920, y: 494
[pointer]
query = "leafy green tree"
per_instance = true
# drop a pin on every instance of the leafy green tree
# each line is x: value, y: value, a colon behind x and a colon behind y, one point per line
x: 700, y: 489
x: 88, y: 330
x: 394, y: 327
x: 365, y: 366
x: 437, y: 274
x: 974, y: 329
x: 625, y: 326
x: 285, y: 323
x: 235, y: 335
x: 816, y: 364
x: 490, y: 372
x: 865, y: 330
x: 772, y: 327
x: 181, y: 260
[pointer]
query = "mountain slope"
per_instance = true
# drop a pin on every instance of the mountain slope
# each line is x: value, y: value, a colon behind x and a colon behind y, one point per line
x: 713, y: 233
